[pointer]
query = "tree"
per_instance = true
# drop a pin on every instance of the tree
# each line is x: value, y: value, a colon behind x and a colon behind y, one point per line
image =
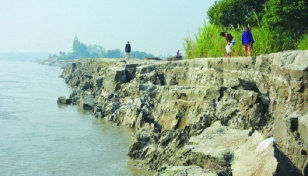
x: 141, y: 55
x: 116, y: 53
x: 284, y: 21
x: 287, y: 18
x: 236, y: 12
x: 96, y: 51
x: 80, y: 50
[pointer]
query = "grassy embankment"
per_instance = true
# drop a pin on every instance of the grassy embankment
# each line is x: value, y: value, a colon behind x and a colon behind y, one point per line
x: 208, y: 42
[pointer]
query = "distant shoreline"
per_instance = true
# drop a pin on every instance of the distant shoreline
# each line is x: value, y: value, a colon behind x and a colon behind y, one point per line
x: 24, y: 56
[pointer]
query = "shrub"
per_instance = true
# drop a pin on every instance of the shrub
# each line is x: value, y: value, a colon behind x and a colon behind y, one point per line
x: 303, y: 43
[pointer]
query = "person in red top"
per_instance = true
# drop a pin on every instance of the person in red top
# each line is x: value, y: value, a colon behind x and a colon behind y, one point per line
x: 230, y: 42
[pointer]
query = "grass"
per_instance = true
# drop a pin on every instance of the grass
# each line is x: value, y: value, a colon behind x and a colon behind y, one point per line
x: 303, y: 43
x: 208, y: 42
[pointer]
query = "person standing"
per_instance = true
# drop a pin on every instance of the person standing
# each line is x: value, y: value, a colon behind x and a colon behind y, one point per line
x: 178, y: 53
x: 247, y: 41
x: 127, y: 50
x: 230, y: 42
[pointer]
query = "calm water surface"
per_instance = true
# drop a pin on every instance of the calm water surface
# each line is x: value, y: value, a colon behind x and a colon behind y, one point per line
x: 38, y: 137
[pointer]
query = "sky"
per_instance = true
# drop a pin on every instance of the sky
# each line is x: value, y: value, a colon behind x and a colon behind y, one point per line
x: 157, y: 27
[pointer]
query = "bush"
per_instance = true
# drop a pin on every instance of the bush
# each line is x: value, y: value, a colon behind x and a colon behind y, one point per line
x: 303, y: 43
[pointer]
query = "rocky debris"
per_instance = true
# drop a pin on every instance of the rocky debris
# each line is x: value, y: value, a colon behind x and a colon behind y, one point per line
x: 174, y: 58
x: 153, y: 58
x: 185, y: 171
x: 87, y: 102
x: 175, y: 108
x: 58, y: 63
x: 257, y: 157
x: 302, y: 123
x: 64, y: 100
x: 218, y: 143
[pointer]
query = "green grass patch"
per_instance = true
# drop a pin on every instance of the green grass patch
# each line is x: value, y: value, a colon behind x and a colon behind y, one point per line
x: 208, y: 43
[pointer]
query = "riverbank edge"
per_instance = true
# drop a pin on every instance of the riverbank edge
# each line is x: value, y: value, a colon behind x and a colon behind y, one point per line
x: 130, y: 94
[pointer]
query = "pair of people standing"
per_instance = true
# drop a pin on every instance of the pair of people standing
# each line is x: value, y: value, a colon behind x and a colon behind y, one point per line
x: 247, y: 42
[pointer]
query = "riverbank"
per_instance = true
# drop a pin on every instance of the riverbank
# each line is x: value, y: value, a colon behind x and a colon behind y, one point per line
x: 58, y: 63
x: 205, y: 116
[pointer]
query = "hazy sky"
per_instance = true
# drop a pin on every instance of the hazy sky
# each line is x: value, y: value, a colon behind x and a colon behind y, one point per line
x: 157, y: 27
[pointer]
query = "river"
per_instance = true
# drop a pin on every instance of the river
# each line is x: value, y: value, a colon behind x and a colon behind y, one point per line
x: 39, y: 137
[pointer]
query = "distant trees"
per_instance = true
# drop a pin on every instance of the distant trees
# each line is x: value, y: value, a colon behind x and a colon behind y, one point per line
x: 81, y: 50
x: 116, y: 53
x: 137, y: 54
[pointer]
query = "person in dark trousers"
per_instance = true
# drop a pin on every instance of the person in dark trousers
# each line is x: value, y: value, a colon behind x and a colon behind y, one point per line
x: 230, y: 42
x: 127, y: 50
x: 178, y: 55
x: 247, y: 41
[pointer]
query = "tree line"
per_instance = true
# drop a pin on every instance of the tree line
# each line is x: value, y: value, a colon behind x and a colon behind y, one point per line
x: 81, y: 50
x: 275, y: 24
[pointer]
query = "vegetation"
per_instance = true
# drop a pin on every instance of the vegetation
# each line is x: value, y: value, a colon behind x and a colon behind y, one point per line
x: 303, y: 43
x: 236, y: 12
x: 275, y: 25
x: 81, y: 50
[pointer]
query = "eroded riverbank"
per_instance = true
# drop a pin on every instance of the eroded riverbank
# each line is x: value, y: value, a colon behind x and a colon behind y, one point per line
x: 187, y: 113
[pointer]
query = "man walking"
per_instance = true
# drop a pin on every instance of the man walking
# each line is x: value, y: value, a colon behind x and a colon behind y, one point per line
x: 127, y: 50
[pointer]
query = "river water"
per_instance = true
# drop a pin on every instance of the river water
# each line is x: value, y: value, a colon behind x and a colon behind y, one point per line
x: 39, y: 137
